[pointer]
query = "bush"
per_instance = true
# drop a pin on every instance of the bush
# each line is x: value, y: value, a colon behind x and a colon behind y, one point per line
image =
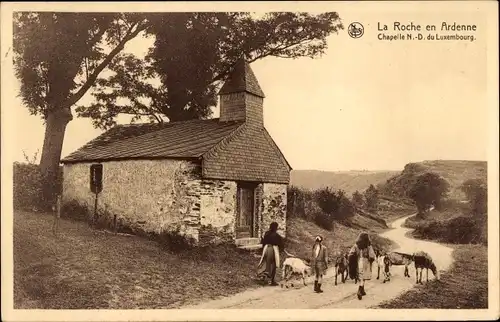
x: 27, y: 184
x: 323, y: 220
x: 334, y: 203
x: 322, y: 206
x: 27, y: 187
x: 458, y: 230
x: 175, y: 241
x: 76, y: 211
x: 372, y: 198
x: 299, y: 203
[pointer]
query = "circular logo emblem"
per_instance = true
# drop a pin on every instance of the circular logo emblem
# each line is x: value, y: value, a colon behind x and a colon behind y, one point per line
x: 355, y: 30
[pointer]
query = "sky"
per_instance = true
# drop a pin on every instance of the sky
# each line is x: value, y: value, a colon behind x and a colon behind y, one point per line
x: 366, y: 104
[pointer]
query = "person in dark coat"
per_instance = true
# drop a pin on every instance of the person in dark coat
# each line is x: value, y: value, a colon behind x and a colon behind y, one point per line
x: 363, y: 251
x: 272, y: 244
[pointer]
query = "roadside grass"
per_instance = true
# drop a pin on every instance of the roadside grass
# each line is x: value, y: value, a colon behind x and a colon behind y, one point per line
x: 464, y: 286
x: 391, y: 210
x: 434, y: 215
x: 449, y: 226
x: 88, y: 269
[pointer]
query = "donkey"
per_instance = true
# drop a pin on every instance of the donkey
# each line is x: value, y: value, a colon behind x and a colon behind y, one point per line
x: 424, y: 260
x: 341, y: 267
x: 353, y: 272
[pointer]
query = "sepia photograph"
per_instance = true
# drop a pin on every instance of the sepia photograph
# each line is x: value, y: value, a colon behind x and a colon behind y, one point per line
x: 173, y: 159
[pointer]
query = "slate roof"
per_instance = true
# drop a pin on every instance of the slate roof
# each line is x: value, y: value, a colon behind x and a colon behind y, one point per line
x: 242, y: 79
x: 187, y: 139
x: 249, y: 154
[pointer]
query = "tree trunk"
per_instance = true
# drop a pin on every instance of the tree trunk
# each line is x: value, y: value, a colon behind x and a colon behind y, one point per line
x: 55, y: 128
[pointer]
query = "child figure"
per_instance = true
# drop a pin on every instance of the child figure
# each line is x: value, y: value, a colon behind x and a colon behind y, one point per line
x: 319, y: 262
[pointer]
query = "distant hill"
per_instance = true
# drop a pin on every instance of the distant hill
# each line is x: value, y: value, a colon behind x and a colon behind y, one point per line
x: 455, y: 172
x: 350, y: 181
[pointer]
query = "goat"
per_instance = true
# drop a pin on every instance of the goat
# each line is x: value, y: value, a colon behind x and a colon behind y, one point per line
x: 424, y: 260
x: 341, y: 267
x: 294, y: 266
x: 399, y: 259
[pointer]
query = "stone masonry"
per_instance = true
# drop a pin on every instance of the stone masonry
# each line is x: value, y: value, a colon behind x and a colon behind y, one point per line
x: 161, y: 195
x: 154, y: 196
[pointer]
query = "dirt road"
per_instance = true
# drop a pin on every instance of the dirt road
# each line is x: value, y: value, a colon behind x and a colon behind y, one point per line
x: 342, y: 295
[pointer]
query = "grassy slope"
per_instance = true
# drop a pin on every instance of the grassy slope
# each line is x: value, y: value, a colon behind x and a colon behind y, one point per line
x: 89, y: 269
x: 349, y: 181
x: 392, y: 210
x: 301, y: 234
x: 464, y: 286
x: 454, y: 172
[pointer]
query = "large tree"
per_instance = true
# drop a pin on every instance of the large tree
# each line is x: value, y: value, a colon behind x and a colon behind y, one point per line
x: 429, y: 190
x: 372, y: 198
x: 476, y: 191
x: 59, y: 57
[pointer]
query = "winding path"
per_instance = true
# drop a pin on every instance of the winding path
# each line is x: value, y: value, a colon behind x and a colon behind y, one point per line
x: 342, y: 295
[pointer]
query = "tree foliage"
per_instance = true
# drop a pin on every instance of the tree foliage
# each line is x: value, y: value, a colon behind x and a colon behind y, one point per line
x: 357, y: 199
x: 59, y: 57
x: 429, y: 190
x: 476, y: 192
x: 372, y: 198
x: 192, y: 55
x: 334, y: 203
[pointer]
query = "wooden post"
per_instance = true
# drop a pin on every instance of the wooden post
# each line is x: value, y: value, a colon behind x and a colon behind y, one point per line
x: 95, y: 210
x: 57, y: 215
x: 114, y: 224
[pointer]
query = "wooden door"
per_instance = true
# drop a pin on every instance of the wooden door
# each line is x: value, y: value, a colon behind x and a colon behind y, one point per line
x: 245, y: 216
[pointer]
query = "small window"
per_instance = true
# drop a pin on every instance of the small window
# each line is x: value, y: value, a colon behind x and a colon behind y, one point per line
x: 96, y: 178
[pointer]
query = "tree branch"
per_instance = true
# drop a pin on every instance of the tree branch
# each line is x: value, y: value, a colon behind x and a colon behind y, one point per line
x: 158, y: 119
x: 274, y: 51
x: 96, y: 37
x: 91, y: 80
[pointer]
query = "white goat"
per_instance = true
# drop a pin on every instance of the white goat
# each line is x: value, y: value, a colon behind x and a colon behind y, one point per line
x: 294, y: 266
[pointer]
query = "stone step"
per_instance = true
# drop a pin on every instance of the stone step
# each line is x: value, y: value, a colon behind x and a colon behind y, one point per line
x: 247, y: 241
x: 251, y: 247
x: 255, y: 249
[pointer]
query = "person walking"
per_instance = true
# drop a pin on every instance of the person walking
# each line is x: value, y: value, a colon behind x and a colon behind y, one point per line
x: 319, y: 262
x: 272, y: 244
x: 365, y: 254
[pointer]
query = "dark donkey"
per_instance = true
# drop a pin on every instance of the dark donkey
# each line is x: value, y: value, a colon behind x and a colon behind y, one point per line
x: 341, y: 267
x: 352, y: 260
